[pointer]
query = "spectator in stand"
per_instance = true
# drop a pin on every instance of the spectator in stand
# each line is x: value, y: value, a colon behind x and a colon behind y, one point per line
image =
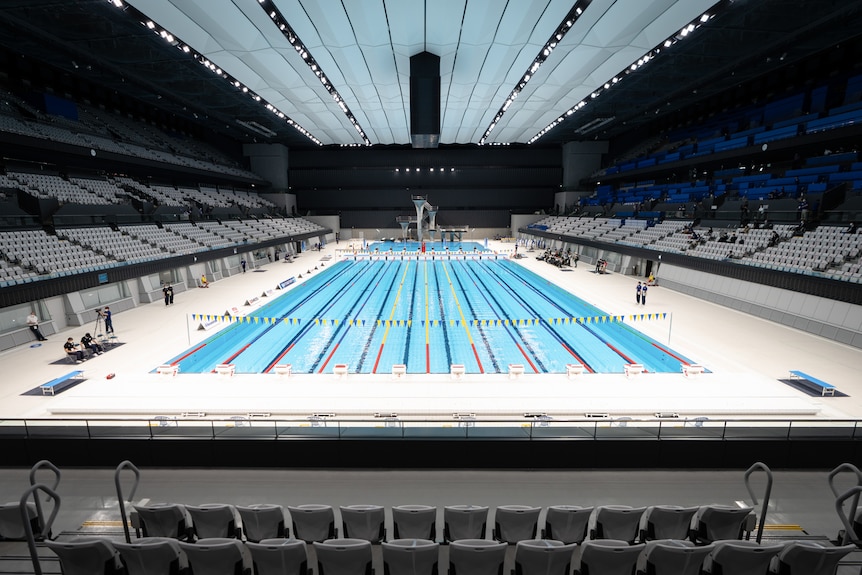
x: 761, y: 213
x: 852, y: 228
x: 803, y: 209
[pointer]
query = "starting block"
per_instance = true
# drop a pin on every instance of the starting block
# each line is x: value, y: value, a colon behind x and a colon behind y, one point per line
x: 689, y: 370
x: 516, y: 370
x: 574, y: 369
x: 168, y: 370
x: 340, y: 369
x: 456, y: 370
x: 282, y: 369
x: 225, y: 369
x: 632, y: 369
x: 399, y: 370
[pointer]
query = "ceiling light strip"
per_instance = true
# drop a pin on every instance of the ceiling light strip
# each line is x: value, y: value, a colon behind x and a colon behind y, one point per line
x: 683, y: 33
x: 546, y: 50
x: 289, y: 33
x: 200, y: 58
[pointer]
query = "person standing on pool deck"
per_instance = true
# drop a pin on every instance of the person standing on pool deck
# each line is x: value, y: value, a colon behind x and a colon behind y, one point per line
x: 109, y: 323
x: 638, y: 292
x: 643, y: 294
x: 33, y: 323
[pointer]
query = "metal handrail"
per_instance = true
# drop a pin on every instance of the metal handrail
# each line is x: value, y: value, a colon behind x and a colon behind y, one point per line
x: 46, y: 529
x: 761, y: 467
x: 849, y: 532
x: 120, y: 500
x: 840, y: 469
x: 44, y: 464
x: 854, y: 503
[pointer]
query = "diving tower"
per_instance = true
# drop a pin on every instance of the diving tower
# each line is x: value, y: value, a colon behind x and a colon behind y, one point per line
x: 426, y: 216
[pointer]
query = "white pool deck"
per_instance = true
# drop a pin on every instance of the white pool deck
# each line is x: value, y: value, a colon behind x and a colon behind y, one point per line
x: 745, y: 356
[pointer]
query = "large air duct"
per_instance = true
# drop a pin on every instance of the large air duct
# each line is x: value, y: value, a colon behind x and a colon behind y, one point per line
x: 425, y: 100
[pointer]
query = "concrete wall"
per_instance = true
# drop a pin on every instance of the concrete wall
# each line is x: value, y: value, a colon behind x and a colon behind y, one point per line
x: 371, y: 234
x: 331, y: 222
x: 270, y: 162
x: 580, y: 160
x: 828, y: 318
x: 523, y: 220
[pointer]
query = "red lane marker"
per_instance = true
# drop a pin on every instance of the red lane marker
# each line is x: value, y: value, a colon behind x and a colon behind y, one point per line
x: 527, y: 358
x: 242, y: 349
x: 476, y: 353
x: 331, y: 353
x: 274, y: 363
x: 379, y: 353
x: 681, y: 360
x: 577, y: 357
x: 622, y: 355
x: 203, y: 345
x: 427, y: 359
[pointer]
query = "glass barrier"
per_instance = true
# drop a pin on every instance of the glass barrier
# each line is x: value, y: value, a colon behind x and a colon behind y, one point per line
x: 195, y: 426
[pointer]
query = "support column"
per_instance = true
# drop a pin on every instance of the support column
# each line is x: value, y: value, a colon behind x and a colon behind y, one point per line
x: 421, y: 203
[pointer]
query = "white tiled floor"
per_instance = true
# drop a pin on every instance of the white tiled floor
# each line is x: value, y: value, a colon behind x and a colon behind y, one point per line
x: 747, y: 356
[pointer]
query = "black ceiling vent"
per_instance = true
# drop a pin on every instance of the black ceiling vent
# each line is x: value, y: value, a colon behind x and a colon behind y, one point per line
x: 425, y: 100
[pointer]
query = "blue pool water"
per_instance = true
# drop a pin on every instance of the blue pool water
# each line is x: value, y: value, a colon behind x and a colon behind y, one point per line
x: 370, y: 314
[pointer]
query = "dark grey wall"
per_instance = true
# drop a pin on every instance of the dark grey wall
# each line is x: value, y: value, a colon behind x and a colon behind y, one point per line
x: 455, y: 179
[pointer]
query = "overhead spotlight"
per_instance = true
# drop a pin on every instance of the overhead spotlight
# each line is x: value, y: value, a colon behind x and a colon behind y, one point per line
x: 704, y: 18
x: 151, y: 25
x: 118, y: 3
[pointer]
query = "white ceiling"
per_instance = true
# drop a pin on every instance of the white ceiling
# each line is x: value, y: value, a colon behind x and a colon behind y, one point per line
x: 364, y: 49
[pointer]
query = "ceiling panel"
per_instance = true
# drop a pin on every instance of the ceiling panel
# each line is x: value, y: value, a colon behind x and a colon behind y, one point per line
x: 364, y: 49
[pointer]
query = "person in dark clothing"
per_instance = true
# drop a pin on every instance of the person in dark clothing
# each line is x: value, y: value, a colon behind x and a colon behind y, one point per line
x: 109, y: 323
x: 87, y: 342
x: 71, y: 349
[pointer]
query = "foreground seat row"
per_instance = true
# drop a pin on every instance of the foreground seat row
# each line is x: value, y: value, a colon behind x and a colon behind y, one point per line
x: 511, y: 523
x: 222, y: 556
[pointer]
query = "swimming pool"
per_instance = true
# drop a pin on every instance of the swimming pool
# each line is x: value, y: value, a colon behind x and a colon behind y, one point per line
x: 485, y: 313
